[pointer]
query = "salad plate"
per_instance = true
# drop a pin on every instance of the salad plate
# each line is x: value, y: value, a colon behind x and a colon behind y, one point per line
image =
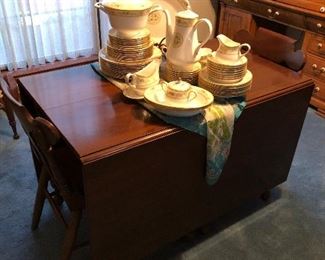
x: 157, y: 98
x: 157, y: 21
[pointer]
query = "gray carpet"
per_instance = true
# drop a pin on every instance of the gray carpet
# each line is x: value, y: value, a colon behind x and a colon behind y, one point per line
x: 290, y: 226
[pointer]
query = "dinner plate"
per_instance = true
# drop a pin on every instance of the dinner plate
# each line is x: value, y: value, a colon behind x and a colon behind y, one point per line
x: 223, y: 89
x: 157, y: 20
x: 157, y: 98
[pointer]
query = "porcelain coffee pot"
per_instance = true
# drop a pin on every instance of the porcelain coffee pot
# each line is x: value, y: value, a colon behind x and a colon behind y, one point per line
x: 182, y: 41
x: 230, y: 50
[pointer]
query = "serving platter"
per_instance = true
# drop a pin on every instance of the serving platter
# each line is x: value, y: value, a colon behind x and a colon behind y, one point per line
x: 157, y: 20
x: 157, y: 98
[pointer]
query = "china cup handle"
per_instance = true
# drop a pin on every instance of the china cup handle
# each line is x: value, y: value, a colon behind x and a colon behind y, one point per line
x: 130, y: 79
x: 99, y: 5
x: 164, y: 86
x: 193, y: 94
x: 240, y: 54
x: 208, y: 23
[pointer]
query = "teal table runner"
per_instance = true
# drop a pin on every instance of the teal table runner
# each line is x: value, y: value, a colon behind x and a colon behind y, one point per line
x: 216, y: 123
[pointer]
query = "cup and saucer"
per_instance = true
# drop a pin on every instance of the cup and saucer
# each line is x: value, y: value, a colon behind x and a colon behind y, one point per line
x: 139, y: 81
x: 131, y: 93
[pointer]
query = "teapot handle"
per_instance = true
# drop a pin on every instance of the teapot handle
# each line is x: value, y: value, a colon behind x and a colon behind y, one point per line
x: 208, y: 23
x: 155, y: 8
x: 240, y: 54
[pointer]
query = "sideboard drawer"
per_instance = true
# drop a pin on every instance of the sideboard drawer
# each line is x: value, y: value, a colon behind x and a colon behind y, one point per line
x: 279, y: 14
x: 313, y: 5
x: 316, y: 44
x: 270, y: 11
x: 315, y: 67
x: 315, y: 25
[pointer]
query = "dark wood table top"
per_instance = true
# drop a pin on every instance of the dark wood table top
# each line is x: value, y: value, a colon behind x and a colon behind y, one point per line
x: 97, y: 120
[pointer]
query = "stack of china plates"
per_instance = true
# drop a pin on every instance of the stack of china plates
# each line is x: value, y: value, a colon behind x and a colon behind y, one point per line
x: 225, y: 90
x: 188, y: 73
x: 226, y: 73
x: 126, y: 55
x: 227, y: 78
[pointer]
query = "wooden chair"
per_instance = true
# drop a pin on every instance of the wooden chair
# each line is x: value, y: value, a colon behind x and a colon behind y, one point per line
x: 10, y: 115
x: 273, y: 46
x: 46, y: 143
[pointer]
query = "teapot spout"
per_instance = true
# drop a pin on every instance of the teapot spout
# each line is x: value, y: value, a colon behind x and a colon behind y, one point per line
x: 169, y: 28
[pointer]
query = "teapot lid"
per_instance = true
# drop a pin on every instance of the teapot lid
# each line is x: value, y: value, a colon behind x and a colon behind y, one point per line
x: 127, y: 4
x: 187, y: 14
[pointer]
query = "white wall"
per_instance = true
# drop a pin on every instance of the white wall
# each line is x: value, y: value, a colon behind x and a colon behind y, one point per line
x: 203, y: 8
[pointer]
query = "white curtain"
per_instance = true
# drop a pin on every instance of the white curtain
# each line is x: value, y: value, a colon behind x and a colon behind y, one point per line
x: 34, y: 32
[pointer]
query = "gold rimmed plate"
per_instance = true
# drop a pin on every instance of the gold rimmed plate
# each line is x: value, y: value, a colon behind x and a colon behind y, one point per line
x: 129, y: 54
x: 216, y: 61
x: 103, y: 55
x: 156, y: 97
x: 226, y: 89
x: 141, y: 38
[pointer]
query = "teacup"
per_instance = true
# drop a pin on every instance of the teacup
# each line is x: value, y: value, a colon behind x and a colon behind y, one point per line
x: 179, y: 91
x: 139, y: 84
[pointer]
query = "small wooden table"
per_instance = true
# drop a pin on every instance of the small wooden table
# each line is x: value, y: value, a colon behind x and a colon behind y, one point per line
x: 143, y: 179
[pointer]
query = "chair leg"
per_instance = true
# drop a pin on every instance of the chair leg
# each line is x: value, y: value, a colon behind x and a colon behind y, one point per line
x: 39, y: 200
x: 11, y: 118
x: 71, y: 234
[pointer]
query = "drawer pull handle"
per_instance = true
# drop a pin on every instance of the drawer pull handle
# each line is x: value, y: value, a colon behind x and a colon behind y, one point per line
x: 319, y: 25
x: 277, y: 13
x: 316, y: 70
x: 316, y: 89
x: 269, y: 10
x: 319, y: 45
x: 322, y: 9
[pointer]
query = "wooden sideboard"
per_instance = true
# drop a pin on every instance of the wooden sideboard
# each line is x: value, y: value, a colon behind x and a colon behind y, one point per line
x: 303, y: 15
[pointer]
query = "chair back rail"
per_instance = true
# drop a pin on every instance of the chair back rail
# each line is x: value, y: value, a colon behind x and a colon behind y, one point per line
x: 274, y: 46
x: 44, y: 138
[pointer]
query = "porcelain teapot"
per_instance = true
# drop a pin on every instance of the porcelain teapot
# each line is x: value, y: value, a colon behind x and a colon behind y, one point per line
x: 230, y: 50
x: 182, y: 41
x: 128, y: 17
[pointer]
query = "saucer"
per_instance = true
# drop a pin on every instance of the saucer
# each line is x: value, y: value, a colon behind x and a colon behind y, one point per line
x: 158, y: 99
x: 129, y: 93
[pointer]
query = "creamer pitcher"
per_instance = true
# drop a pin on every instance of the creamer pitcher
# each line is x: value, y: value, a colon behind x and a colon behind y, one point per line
x: 230, y: 50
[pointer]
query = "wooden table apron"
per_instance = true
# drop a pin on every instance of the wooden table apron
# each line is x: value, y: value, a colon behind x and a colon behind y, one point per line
x: 143, y: 179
